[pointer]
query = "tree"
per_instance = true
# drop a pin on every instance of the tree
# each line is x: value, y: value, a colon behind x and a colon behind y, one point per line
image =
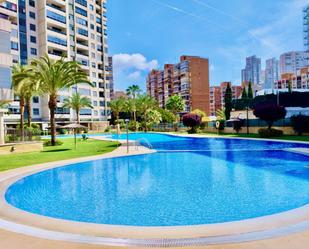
x: 153, y: 117
x: 145, y: 103
x: 237, y: 125
x: 175, y: 104
x: 167, y: 116
x: 200, y: 113
x: 244, y: 94
x: 250, y: 91
x: 228, y: 101
x: 76, y: 102
x: 300, y: 124
x: 133, y: 91
x: 193, y: 121
x: 221, y: 115
x: 290, y: 86
x: 117, y: 106
x: 52, y: 76
x: 24, y: 89
x: 4, y: 103
x: 131, y: 108
x: 269, y: 113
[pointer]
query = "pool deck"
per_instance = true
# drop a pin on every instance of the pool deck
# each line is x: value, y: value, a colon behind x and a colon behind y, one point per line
x: 22, y: 230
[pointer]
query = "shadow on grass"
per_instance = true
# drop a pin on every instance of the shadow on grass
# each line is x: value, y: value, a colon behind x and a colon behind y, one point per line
x: 59, y: 150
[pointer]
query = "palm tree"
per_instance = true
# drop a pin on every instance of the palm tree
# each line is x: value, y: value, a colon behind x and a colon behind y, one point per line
x: 52, y: 76
x: 4, y: 103
x: 133, y: 91
x: 76, y: 102
x: 117, y: 106
x: 145, y: 103
x: 18, y: 85
x: 175, y: 104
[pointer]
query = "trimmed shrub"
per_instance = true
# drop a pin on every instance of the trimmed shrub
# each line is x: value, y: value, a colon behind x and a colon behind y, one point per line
x: 107, y: 129
x: 266, y: 133
x: 300, y: 124
x: 63, y: 131
x: 269, y: 113
x: 134, y: 126
x: 237, y: 125
x: 48, y: 143
x: 193, y: 121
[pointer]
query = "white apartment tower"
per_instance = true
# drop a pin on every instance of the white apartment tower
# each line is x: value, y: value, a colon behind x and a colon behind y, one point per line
x: 73, y: 29
x: 292, y: 62
x: 252, y: 71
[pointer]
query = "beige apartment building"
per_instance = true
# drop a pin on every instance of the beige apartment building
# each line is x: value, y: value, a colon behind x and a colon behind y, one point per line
x: 297, y: 81
x: 189, y: 79
x: 217, y: 94
x: 73, y: 29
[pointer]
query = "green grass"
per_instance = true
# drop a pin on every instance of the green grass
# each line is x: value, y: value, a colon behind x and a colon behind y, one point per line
x: 285, y: 137
x: 57, y: 153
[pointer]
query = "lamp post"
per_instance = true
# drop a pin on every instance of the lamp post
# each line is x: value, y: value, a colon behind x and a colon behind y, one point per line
x: 127, y: 130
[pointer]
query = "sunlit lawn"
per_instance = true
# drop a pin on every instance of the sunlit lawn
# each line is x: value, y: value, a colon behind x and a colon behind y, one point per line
x: 50, y: 154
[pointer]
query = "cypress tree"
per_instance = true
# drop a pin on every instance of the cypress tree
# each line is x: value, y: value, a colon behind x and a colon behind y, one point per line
x: 228, y: 101
x: 250, y: 91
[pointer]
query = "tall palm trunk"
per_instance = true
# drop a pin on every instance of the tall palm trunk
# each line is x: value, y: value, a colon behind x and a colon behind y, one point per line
x: 22, y: 117
x: 28, y: 104
x: 77, y: 116
x: 52, y: 104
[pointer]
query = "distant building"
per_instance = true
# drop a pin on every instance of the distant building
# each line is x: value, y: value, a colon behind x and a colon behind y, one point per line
x: 189, y: 79
x: 292, y: 62
x: 297, y: 81
x: 271, y: 73
x: 217, y: 95
x: 119, y: 94
x: 252, y: 71
x: 110, y: 76
x: 5, y: 59
x: 306, y: 27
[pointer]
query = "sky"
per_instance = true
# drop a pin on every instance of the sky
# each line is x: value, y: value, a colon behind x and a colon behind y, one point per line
x: 146, y: 34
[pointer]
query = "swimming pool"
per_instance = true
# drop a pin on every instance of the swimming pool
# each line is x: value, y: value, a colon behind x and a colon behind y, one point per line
x: 189, y: 181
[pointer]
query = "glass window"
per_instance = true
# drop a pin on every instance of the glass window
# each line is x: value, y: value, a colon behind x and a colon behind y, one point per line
x: 34, y: 51
x: 33, y: 39
x: 36, y: 111
x: 32, y: 27
x: 32, y: 14
x: 14, y: 45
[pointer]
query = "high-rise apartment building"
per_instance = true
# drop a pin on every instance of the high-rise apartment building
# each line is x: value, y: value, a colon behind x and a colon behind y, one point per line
x: 252, y: 71
x: 217, y: 96
x: 292, y: 62
x: 73, y: 29
x: 189, y: 79
x: 306, y: 27
x: 271, y: 73
x: 295, y: 81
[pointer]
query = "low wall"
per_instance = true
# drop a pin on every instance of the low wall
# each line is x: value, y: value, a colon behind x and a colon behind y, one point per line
x: 21, y: 148
x: 253, y: 130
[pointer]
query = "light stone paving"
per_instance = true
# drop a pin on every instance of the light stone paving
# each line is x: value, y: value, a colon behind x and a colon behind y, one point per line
x: 289, y: 230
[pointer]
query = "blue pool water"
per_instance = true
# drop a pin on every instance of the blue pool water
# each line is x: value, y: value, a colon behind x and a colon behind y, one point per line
x: 190, y: 181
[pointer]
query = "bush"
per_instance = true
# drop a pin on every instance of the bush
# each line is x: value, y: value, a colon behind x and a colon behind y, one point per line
x: 237, y: 125
x: 193, y: 121
x: 266, y: 133
x: 48, y: 143
x: 63, y: 131
x: 300, y: 124
x: 134, y: 126
x: 269, y: 113
x: 107, y: 129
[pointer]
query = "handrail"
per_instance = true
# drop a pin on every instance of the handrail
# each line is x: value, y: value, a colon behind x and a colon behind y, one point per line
x: 138, y: 142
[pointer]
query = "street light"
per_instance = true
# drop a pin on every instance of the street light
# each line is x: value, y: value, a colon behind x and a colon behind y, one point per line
x: 127, y: 130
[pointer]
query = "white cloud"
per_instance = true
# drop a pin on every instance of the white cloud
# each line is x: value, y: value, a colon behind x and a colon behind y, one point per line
x: 131, y: 69
x: 135, y: 75
x: 135, y: 61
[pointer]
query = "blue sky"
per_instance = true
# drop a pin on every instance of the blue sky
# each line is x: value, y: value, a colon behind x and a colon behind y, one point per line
x: 146, y: 34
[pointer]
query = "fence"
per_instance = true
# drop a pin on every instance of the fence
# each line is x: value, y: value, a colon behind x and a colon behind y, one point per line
x: 15, y: 136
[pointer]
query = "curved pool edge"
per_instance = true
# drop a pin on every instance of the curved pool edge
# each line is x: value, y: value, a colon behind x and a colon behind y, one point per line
x: 18, y: 221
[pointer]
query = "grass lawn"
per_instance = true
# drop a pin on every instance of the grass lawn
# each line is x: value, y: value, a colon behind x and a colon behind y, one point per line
x: 57, y: 153
x: 285, y: 137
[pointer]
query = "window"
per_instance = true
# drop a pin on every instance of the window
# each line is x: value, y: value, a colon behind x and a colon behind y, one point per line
x: 32, y: 14
x: 32, y: 3
x: 81, y: 11
x: 82, y: 2
x: 95, y: 94
x: 34, y: 51
x: 84, y: 91
x: 94, y: 75
x: 35, y: 100
x: 81, y: 21
x: 91, y: 7
x: 95, y: 103
x: 36, y: 111
x: 32, y: 27
x: 55, y: 16
x: 92, y: 26
x: 14, y: 45
x: 93, y: 65
x: 82, y: 32
x: 32, y: 39
x: 56, y: 40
